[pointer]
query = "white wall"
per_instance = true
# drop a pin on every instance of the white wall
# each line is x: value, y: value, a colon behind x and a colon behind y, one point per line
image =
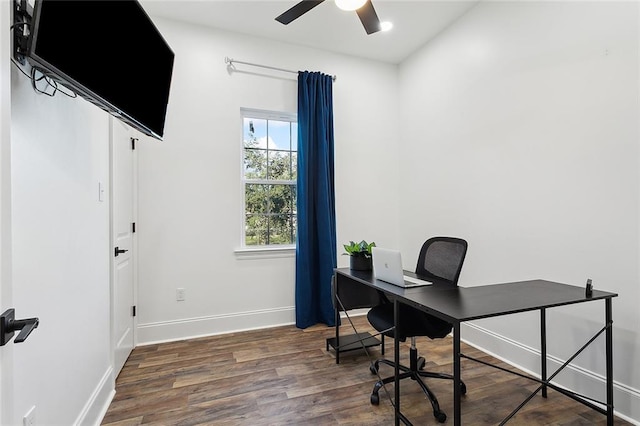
x: 520, y: 134
x: 190, y: 206
x: 60, y: 152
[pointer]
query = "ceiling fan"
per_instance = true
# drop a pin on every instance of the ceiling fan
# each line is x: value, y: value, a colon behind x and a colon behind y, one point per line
x: 364, y: 9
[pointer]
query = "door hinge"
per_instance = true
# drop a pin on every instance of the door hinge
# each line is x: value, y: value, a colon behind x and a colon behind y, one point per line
x: 133, y: 227
x: 133, y: 143
x: 133, y: 310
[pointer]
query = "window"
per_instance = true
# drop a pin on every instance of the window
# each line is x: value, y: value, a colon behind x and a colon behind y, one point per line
x: 269, y: 148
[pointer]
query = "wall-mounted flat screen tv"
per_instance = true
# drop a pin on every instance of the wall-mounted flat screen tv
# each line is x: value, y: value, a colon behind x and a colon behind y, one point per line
x: 108, y: 52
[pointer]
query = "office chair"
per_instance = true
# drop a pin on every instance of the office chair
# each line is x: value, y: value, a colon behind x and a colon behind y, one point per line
x: 440, y: 261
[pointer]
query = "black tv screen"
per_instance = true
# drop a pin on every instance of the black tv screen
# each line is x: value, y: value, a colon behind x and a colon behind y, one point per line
x: 108, y: 52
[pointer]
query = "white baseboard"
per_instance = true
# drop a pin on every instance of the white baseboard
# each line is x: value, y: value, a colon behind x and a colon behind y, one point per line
x: 168, y: 331
x: 96, y: 407
x: 626, y: 400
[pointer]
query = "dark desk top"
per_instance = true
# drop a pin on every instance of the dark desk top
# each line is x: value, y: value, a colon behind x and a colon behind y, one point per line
x: 458, y: 304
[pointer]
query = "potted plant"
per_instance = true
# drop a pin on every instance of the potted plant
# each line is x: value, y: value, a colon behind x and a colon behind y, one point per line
x: 360, y: 255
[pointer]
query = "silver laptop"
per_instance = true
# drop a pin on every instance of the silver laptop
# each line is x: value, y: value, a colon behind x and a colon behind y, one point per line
x: 387, y: 266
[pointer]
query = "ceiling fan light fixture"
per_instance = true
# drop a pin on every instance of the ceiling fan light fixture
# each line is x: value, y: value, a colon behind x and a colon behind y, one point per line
x: 363, y: 8
x: 349, y: 5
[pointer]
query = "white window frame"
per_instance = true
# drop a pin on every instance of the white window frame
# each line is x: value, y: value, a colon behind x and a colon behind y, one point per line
x: 251, y: 250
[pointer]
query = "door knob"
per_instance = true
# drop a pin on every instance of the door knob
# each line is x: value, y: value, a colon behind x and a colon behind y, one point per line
x: 9, y: 325
x: 119, y: 251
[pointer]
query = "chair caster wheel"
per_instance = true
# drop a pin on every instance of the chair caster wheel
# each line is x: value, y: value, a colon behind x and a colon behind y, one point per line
x: 373, y: 369
x: 440, y: 416
x: 421, y: 363
x: 463, y: 388
x: 375, y: 399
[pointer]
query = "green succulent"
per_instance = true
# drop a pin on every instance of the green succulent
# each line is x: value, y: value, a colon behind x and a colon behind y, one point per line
x: 358, y: 249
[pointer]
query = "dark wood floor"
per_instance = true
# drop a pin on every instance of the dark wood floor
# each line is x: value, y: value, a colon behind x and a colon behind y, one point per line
x: 284, y: 376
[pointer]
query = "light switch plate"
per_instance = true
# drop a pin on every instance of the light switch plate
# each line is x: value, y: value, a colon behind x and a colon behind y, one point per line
x: 100, y: 191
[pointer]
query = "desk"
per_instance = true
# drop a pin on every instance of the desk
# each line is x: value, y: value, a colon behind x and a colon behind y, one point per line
x: 459, y: 304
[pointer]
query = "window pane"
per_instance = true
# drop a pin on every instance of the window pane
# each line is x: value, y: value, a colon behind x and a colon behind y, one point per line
x: 279, y: 135
x: 279, y: 165
x: 256, y: 198
x: 255, y: 133
x: 294, y: 165
x: 280, y: 199
x: 247, y: 132
x: 256, y: 233
x: 292, y: 199
x: 294, y: 136
x: 294, y: 228
x: 255, y: 163
x: 280, y: 229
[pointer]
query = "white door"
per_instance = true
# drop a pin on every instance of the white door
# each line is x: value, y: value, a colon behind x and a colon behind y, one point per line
x: 123, y: 265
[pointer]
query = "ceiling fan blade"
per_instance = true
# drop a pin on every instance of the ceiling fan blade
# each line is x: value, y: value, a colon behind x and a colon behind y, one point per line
x: 297, y: 11
x: 369, y: 18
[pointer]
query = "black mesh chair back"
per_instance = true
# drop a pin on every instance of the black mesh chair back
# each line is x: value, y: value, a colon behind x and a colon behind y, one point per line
x: 441, y: 259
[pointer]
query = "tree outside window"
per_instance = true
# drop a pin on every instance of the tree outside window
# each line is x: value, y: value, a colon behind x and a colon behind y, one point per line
x: 269, y: 174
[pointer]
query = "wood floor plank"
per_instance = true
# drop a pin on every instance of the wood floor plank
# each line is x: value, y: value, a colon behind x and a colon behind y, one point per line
x: 284, y: 376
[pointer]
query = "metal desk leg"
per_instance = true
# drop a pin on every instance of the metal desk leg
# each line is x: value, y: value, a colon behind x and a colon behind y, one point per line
x: 336, y: 306
x: 543, y: 350
x: 457, y: 415
x: 609, y: 349
x: 396, y: 358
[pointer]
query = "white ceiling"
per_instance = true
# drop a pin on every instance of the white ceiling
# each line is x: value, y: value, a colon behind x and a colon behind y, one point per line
x: 325, y: 27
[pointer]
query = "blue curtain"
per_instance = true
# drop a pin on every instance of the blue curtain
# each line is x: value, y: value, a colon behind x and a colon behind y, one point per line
x: 316, y: 245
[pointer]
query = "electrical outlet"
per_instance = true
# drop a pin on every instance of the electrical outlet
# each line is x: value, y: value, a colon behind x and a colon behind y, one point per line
x: 29, y: 419
x: 180, y: 294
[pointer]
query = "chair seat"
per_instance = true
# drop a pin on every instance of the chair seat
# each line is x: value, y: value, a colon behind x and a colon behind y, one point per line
x: 413, y: 322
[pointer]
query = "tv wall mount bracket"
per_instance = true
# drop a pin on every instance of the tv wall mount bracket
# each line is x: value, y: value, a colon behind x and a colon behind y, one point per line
x: 22, y: 16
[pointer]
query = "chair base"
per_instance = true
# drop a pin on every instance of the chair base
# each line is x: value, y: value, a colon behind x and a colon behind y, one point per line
x: 414, y: 372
